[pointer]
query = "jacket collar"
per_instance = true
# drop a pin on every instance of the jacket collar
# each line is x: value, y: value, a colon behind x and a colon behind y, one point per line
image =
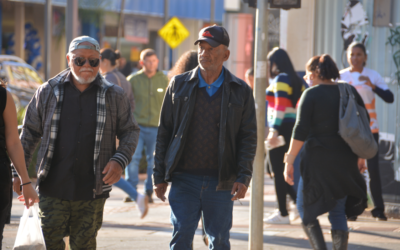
x: 61, y: 78
x: 229, y: 77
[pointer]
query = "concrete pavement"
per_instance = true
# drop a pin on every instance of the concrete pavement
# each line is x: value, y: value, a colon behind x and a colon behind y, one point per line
x: 123, y: 229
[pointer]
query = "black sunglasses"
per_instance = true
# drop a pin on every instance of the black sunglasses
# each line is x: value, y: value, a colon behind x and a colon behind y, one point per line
x: 80, y: 61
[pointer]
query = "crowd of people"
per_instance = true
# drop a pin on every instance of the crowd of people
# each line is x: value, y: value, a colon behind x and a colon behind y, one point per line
x: 196, y: 128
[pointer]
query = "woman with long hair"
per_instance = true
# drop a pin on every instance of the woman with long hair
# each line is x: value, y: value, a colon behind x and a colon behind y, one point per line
x: 282, y: 95
x: 330, y: 172
x: 186, y: 62
x: 368, y: 82
x: 109, y: 70
x: 11, y: 148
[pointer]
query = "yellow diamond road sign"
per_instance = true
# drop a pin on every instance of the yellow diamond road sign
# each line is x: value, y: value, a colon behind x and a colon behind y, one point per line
x: 173, y: 33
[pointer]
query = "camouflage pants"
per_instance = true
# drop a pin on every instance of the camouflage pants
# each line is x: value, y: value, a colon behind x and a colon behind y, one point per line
x: 78, y: 219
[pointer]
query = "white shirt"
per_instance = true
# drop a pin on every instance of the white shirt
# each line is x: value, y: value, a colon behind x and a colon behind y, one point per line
x: 365, y: 91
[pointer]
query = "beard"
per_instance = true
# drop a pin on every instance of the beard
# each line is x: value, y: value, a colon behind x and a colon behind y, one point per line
x: 82, y: 80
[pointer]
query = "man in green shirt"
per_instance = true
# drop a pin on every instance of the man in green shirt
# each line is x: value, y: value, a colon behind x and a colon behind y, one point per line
x: 148, y: 86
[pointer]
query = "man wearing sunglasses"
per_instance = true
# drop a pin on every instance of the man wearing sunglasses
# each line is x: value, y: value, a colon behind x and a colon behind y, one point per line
x: 78, y: 114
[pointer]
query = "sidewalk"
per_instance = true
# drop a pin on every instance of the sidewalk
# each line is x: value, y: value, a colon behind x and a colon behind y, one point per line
x: 122, y: 228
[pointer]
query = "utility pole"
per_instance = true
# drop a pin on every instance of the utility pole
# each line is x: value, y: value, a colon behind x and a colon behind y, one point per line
x: 120, y: 23
x: 261, y: 73
x: 47, y: 40
x: 71, y: 21
x: 212, y: 12
x: 164, y: 46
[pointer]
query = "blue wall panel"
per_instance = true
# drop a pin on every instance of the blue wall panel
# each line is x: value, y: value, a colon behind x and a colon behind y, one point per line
x: 192, y: 9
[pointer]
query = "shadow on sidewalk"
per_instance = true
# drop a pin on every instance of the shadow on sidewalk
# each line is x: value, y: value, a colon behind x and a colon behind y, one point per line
x: 290, y: 242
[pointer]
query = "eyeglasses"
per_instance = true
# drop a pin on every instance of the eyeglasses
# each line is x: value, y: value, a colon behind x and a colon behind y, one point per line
x: 80, y: 61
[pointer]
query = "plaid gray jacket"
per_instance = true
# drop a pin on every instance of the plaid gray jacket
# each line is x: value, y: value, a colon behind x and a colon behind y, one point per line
x: 114, y: 120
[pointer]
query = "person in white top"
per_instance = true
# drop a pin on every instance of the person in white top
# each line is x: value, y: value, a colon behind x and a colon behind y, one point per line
x: 368, y: 82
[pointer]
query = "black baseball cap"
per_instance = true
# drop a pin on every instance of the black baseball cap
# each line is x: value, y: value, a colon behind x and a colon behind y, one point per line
x: 214, y: 35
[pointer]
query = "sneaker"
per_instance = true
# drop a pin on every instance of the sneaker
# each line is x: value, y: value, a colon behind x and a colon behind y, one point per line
x: 294, y: 213
x: 149, y: 194
x: 142, y: 203
x: 277, y: 218
x: 127, y: 199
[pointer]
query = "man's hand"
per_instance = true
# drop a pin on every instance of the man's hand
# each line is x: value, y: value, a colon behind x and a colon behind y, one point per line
x: 29, y: 196
x: 361, y: 165
x: 160, y: 190
x: 17, y: 185
x: 113, y: 172
x: 240, y: 189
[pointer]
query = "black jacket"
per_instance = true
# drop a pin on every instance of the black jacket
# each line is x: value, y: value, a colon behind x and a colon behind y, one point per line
x: 238, y: 129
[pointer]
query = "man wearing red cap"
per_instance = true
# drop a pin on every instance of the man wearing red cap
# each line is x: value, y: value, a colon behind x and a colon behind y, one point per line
x: 206, y: 144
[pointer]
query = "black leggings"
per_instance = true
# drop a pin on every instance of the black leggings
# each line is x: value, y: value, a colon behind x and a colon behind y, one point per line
x: 276, y: 156
x: 375, y: 182
x: 5, y: 195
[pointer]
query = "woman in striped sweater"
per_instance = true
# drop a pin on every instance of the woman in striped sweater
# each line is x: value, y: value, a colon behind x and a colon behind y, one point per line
x: 282, y: 95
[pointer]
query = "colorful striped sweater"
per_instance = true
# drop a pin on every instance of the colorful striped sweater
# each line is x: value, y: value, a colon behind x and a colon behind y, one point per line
x: 280, y: 107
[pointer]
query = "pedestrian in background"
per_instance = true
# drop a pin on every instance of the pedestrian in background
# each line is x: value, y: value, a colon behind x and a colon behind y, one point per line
x: 108, y: 68
x: 185, y: 63
x: 283, y: 92
x: 206, y: 144
x: 330, y: 174
x: 148, y: 86
x: 10, y: 147
x: 368, y: 82
x: 249, y: 77
x: 78, y: 115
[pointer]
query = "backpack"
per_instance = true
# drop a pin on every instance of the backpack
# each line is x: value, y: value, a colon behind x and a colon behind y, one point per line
x: 354, y: 124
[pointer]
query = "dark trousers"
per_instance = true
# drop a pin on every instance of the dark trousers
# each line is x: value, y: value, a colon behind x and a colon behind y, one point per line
x: 375, y: 182
x: 276, y: 155
x: 5, y: 195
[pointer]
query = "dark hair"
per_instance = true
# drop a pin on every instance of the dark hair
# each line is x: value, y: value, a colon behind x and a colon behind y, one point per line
x: 110, y: 55
x: 250, y: 71
x: 3, y: 83
x: 357, y: 45
x: 281, y: 59
x: 324, y: 67
x: 186, y: 62
x: 147, y: 52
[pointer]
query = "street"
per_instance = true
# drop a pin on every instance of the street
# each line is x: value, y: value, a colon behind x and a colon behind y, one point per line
x: 122, y: 228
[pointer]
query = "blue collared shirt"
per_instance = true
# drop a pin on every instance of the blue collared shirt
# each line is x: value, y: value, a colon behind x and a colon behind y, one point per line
x: 212, y: 88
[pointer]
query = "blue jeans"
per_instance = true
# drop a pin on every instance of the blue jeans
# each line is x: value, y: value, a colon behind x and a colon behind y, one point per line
x: 337, y: 216
x: 127, y: 188
x: 192, y: 196
x: 147, y: 140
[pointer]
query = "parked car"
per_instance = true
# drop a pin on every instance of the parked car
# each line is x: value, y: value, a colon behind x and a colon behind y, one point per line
x: 21, y: 78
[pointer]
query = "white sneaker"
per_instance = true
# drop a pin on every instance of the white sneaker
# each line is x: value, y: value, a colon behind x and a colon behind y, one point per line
x: 142, y: 203
x: 294, y: 213
x: 277, y: 218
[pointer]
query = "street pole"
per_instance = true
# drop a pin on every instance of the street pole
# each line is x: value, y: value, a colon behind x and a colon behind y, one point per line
x: 212, y: 12
x: 165, y: 47
x: 120, y: 23
x: 47, y: 40
x: 257, y: 185
x: 71, y: 21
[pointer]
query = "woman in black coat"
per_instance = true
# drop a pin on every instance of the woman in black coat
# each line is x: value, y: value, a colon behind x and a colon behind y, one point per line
x: 330, y: 172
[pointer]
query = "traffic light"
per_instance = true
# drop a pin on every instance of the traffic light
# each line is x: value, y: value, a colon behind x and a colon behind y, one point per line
x: 276, y: 4
x: 284, y: 4
x: 252, y: 3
